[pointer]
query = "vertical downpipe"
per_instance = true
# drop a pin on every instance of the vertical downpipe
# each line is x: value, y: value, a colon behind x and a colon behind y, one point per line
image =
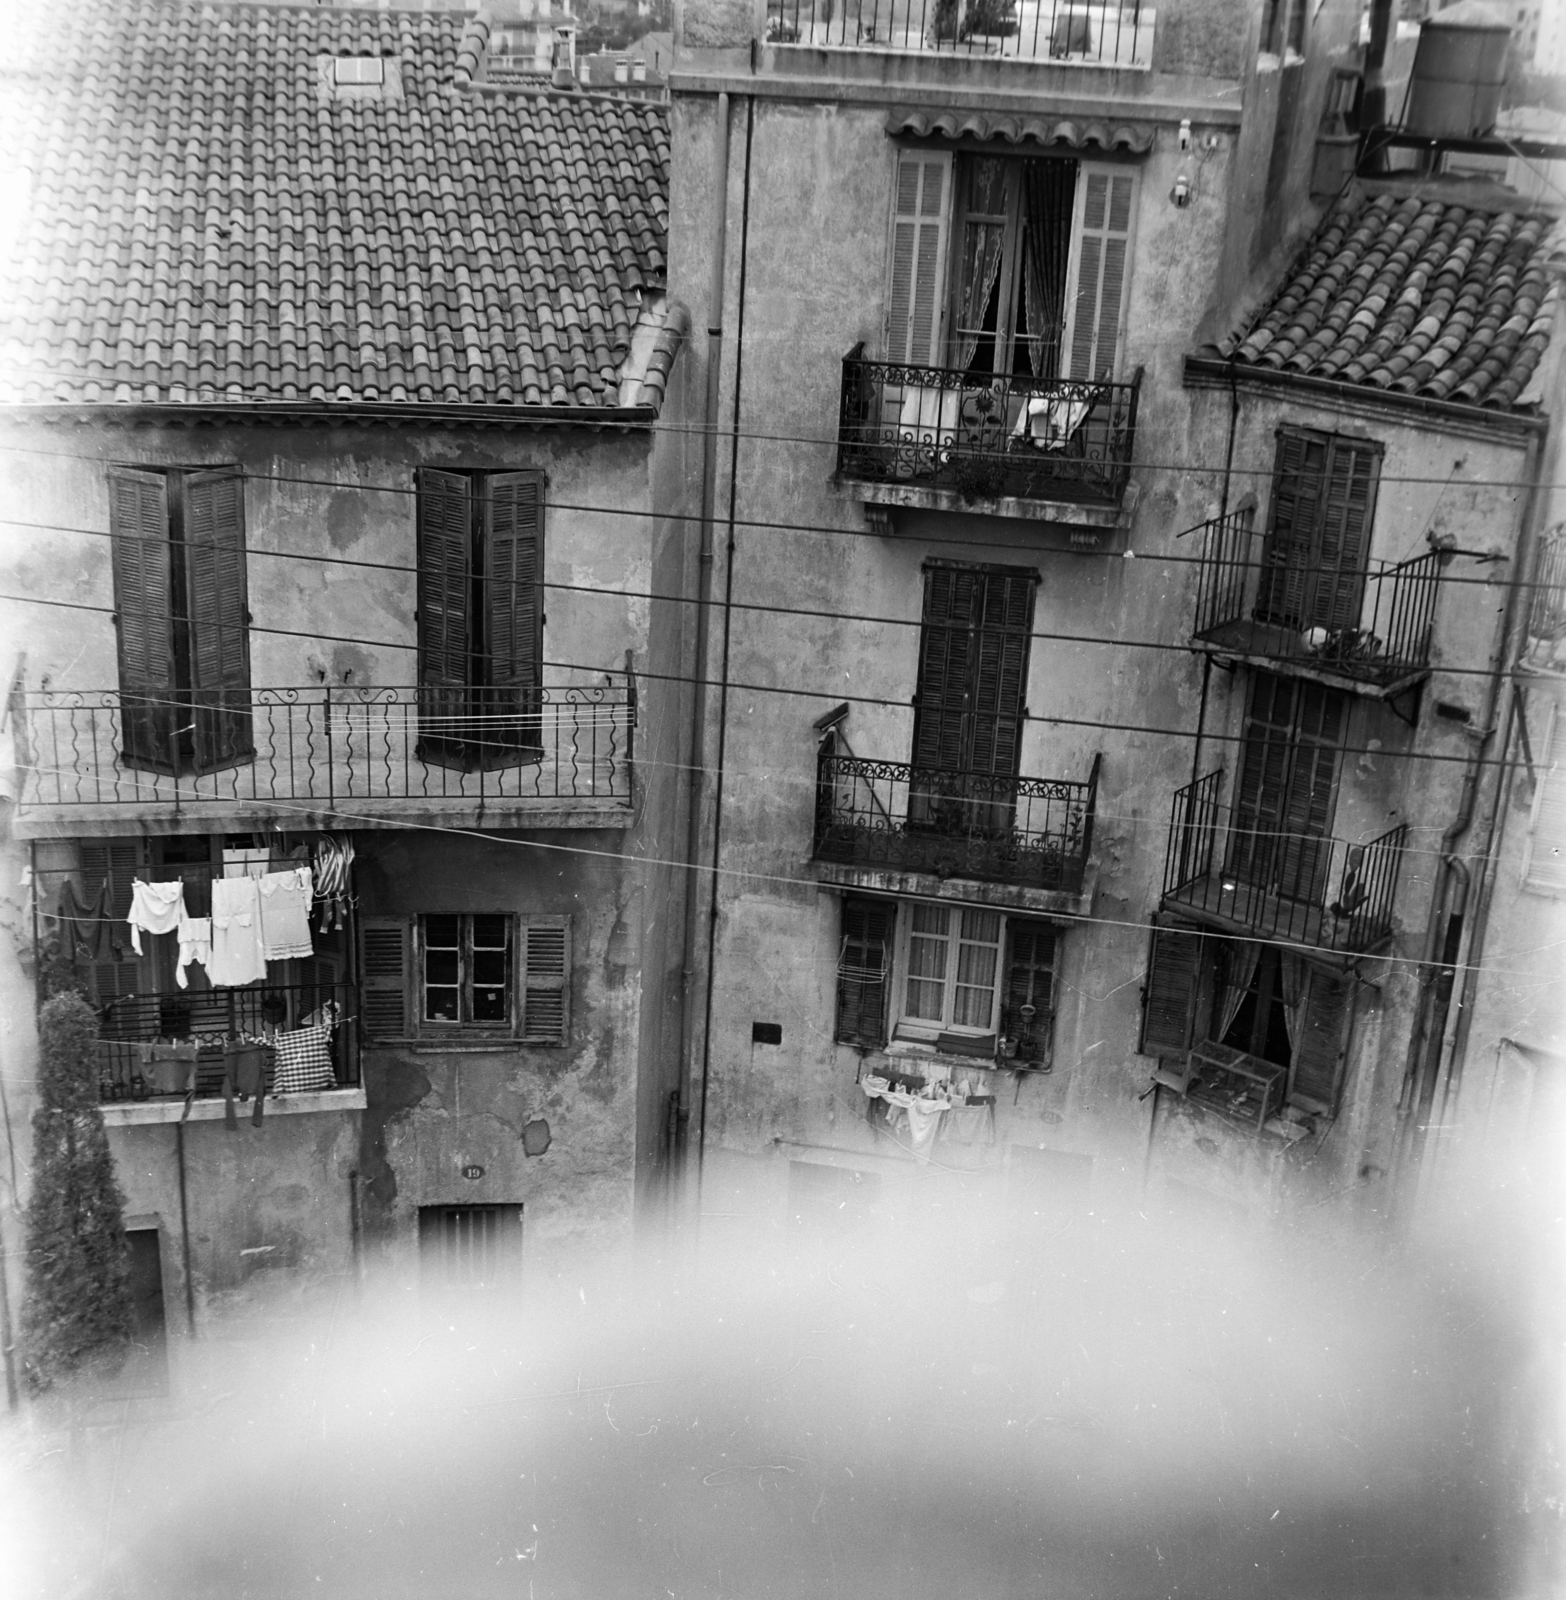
x: 184, y: 1230
x: 696, y: 751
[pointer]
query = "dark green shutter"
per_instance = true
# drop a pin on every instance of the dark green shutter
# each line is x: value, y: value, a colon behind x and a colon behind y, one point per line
x: 1170, y: 994
x: 864, y: 969
x: 544, y: 959
x: 1318, y: 543
x: 143, y: 615
x: 1316, y: 1069
x: 214, y: 532
x: 973, y: 670
x: 513, y: 517
x: 386, y: 977
x: 445, y: 623
x: 1030, y: 981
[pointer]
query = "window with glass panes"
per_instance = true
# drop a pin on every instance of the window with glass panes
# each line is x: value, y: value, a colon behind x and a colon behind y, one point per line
x: 953, y: 957
x: 466, y: 969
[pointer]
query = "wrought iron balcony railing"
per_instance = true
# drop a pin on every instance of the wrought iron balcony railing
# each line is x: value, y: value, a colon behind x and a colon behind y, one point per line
x: 1285, y: 612
x: 1063, y: 31
x: 1033, y: 832
x: 329, y: 746
x: 1547, y: 609
x: 986, y: 437
x: 1268, y: 883
x: 142, y: 1036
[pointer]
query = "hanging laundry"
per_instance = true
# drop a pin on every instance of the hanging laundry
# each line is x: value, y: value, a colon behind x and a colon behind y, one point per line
x: 333, y: 857
x: 195, y: 944
x: 304, y: 1060
x: 245, y: 1071
x: 155, y: 908
x: 285, y: 914
x: 87, y: 927
x: 237, y: 955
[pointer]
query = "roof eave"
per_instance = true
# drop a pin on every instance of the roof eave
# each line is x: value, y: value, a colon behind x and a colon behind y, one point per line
x: 1215, y: 371
x: 199, y: 413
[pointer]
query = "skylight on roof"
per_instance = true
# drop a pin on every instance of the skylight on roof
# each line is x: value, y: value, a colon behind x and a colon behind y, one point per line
x: 368, y: 71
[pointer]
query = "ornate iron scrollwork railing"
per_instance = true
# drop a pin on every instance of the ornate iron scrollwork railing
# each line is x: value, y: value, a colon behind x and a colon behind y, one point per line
x: 1035, y: 832
x: 343, y: 743
x: 986, y: 437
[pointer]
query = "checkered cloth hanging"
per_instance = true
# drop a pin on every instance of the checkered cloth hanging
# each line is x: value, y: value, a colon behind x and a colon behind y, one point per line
x: 304, y: 1061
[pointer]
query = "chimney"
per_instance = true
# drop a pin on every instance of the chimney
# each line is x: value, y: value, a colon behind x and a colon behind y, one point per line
x: 638, y: 72
x: 622, y: 71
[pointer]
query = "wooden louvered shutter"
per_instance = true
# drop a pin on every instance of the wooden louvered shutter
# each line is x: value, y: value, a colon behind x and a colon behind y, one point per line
x: 1544, y: 861
x: 864, y: 966
x: 952, y: 597
x: 214, y: 538
x: 1000, y: 675
x: 1342, y: 549
x: 117, y: 863
x: 1106, y: 215
x: 1316, y: 1067
x: 1298, y: 487
x: 386, y: 977
x: 546, y: 980
x: 920, y: 203
x: 1255, y: 842
x: 1310, y: 791
x: 513, y: 520
x: 445, y: 626
x: 1030, y: 981
x: 1171, y: 992
x: 143, y: 616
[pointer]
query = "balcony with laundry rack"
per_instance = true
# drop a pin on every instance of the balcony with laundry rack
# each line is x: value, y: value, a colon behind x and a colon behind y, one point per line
x: 560, y: 756
x: 1046, y: 449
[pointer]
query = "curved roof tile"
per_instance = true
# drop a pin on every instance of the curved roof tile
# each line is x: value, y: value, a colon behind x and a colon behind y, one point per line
x: 1414, y: 296
x: 203, y: 219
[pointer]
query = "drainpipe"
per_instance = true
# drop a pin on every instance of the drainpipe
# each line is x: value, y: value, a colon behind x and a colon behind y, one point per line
x: 1516, y: 642
x: 184, y: 1230
x: 696, y: 749
x: 1444, y: 930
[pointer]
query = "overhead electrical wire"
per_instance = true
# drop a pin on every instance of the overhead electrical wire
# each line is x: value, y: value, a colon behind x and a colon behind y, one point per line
x: 1074, y: 919
x: 834, y: 694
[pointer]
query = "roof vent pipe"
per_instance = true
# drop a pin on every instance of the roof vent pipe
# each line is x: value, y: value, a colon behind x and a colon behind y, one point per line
x: 1459, y: 67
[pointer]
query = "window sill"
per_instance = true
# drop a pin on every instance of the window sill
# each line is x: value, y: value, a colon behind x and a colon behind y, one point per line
x: 464, y: 1046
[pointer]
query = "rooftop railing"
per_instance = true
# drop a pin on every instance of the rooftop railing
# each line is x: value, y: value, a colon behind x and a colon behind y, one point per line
x: 1033, y: 832
x: 331, y: 745
x: 986, y: 436
x: 1272, y: 883
x: 1253, y: 605
x: 1028, y: 30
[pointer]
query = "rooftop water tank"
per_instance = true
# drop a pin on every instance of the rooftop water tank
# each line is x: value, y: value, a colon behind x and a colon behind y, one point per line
x: 1455, y: 89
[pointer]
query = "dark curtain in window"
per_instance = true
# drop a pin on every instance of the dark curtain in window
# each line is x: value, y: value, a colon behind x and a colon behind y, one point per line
x: 1048, y: 190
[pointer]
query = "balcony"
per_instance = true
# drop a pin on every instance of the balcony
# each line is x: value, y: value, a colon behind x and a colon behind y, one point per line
x: 886, y: 817
x: 1546, y: 647
x: 1043, y: 448
x: 1253, y: 609
x: 1089, y: 35
x: 138, y: 1082
x: 328, y: 756
x: 1268, y: 884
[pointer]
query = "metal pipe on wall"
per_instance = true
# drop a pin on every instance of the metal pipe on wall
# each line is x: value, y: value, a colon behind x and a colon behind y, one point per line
x: 696, y: 748
x: 184, y: 1231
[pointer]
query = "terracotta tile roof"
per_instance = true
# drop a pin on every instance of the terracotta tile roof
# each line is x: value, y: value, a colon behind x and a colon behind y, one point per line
x: 1414, y: 296
x: 209, y: 222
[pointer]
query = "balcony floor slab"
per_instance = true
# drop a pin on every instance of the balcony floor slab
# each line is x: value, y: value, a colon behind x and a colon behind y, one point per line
x: 143, y: 1113
x: 1269, y: 648
x: 1087, y: 517
x: 1247, y: 911
x: 243, y: 816
x: 966, y: 891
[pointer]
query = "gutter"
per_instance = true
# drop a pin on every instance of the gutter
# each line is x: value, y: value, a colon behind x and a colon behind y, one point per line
x: 335, y: 413
x: 1449, y: 904
x: 1215, y: 371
